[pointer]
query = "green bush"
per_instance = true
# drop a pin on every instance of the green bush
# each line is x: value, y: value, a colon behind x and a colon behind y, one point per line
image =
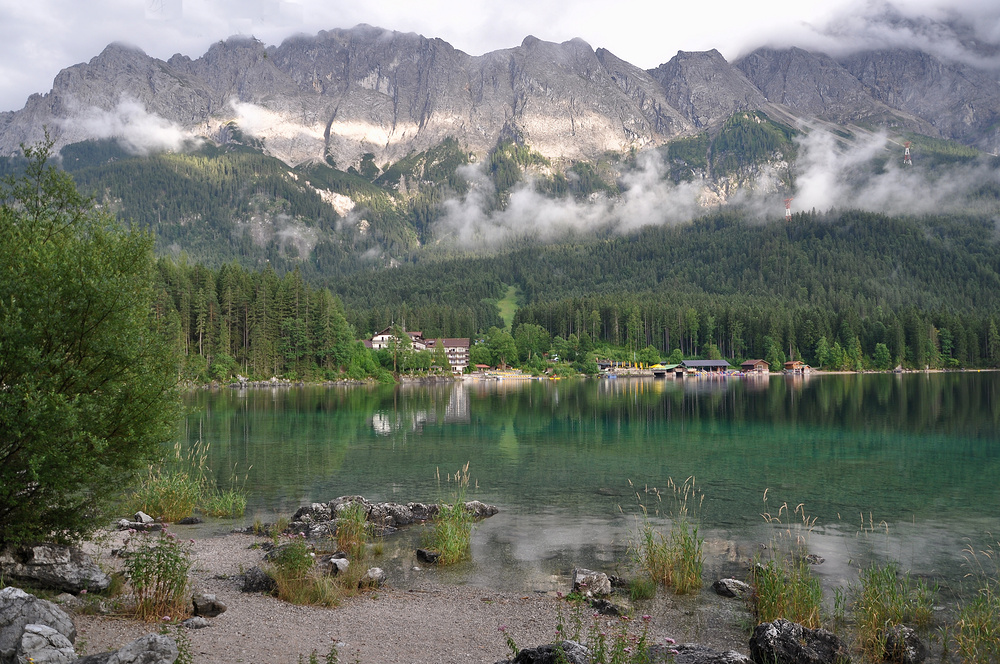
x: 156, y: 567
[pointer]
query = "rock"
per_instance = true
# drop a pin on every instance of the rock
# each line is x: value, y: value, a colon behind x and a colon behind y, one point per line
x: 53, y: 566
x: 814, y: 559
x: 18, y: 609
x: 125, y: 524
x: 428, y: 556
x: 150, y: 649
x: 256, y: 580
x: 332, y: 565
x: 198, y: 622
x: 481, y: 510
x: 607, y: 608
x: 189, y: 521
x: 785, y: 642
x: 142, y: 517
x: 40, y: 644
x: 590, y: 583
x: 732, y: 588
x: 903, y: 646
x: 206, y: 604
x: 373, y: 578
x: 695, y: 654
x: 564, y: 652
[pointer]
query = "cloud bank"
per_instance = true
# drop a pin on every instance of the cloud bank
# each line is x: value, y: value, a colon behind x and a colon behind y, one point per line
x: 866, y: 174
x: 136, y: 129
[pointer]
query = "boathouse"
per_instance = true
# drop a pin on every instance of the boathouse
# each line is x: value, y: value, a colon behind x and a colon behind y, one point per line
x: 755, y: 366
x: 710, y: 366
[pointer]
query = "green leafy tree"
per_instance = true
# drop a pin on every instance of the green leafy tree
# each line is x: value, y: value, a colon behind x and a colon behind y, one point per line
x: 88, y: 382
x: 882, y: 358
x: 502, y: 346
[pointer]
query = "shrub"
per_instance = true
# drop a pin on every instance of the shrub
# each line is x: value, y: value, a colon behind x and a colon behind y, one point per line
x: 89, y: 383
x: 156, y: 567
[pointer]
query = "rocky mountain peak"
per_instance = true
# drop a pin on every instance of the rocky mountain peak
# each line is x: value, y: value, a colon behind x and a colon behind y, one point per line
x: 705, y: 88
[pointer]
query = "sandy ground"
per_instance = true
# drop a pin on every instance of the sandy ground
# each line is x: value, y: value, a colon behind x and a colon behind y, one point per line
x: 427, y: 622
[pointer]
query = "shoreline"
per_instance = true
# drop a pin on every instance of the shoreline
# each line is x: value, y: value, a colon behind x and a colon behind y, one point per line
x: 431, y: 621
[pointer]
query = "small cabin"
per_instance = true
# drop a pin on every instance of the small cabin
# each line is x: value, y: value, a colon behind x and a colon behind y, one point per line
x: 755, y: 366
x: 797, y: 367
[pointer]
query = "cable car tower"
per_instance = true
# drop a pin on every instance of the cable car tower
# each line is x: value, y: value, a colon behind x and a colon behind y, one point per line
x: 788, y: 209
x: 906, y: 154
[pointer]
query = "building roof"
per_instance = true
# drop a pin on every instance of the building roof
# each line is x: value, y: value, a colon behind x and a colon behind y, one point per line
x: 753, y: 363
x: 705, y: 364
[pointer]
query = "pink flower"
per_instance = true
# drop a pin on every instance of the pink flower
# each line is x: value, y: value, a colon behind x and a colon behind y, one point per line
x: 646, y: 618
x: 502, y: 628
x: 669, y: 641
x: 83, y: 592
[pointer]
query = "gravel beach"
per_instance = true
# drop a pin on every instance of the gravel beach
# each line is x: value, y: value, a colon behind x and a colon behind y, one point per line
x: 428, y: 621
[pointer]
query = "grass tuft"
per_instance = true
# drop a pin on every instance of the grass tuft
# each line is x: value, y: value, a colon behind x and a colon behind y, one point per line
x: 675, y: 560
x: 783, y: 585
x: 451, y: 533
x: 977, y: 628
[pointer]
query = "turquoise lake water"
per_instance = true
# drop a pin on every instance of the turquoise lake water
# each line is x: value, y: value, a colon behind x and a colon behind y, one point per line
x: 888, y: 466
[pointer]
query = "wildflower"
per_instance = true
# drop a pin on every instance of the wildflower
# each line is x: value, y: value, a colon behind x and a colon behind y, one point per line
x: 674, y: 651
x: 646, y: 618
x: 502, y: 628
x: 192, y: 541
x: 669, y: 641
x: 166, y: 618
x: 83, y: 592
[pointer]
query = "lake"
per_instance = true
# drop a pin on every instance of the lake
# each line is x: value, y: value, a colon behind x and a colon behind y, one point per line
x: 890, y: 466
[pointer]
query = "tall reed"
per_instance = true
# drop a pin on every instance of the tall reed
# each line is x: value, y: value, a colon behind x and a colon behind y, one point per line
x: 977, y: 628
x: 451, y: 534
x: 783, y: 586
x: 675, y: 560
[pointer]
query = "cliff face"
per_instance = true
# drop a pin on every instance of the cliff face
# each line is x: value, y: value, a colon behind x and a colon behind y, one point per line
x: 342, y: 93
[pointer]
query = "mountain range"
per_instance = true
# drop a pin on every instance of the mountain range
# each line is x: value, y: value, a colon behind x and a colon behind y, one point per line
x: 341, y: 94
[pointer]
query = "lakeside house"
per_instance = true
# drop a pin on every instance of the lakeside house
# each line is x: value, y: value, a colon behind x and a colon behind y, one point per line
x: 708, y: 366
x: 455, y: 348
x: 755, y: 367
x: 797, y: 367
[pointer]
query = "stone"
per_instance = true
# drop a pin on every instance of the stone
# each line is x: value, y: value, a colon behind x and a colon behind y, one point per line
x: 207, y: 605
x: 903, y: 646
x: 189, y: 521
x: 197, y: 622
x: 53, y: 566
x: 373, y: 578
x: 732, y: 588
x: 696, y: 654
x: 149, y: 649
x: 19, y: 609
x: 481, y: 510
x: 256, y: 580
x: 142, y: 517
x: 785, y: 642
x: 563, y: 652
x: 590, y: 583
x: 428, y: 556
x: 607, y: 608
x: 332, y: 565
x: 41, y: 644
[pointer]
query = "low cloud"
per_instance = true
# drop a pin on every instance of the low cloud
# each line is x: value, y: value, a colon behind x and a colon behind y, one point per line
x: 829, y: 173
x: 136, y: 130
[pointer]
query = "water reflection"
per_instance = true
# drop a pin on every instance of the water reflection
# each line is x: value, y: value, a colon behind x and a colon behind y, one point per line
x: 920, y: 452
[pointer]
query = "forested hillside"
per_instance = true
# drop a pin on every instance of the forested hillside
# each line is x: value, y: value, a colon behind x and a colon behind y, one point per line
x: 927, y: 288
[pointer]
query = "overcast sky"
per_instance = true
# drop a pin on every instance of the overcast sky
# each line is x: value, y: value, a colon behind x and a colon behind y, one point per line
x: 38, y: 38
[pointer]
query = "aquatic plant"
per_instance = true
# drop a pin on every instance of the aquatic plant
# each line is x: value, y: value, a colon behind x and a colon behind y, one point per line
x: 782, y: 584
x: 675, y: 560
x: 451, y: 527
x: 885, y: 598
x: 977, y: 627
